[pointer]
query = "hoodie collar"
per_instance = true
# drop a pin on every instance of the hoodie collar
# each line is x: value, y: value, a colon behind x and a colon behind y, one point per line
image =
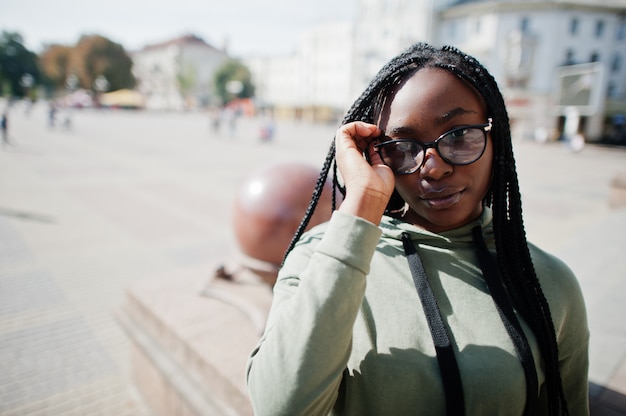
x: 393, y: 228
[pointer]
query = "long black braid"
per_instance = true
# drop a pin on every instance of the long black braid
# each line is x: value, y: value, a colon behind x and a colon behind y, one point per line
x: 514, y: 261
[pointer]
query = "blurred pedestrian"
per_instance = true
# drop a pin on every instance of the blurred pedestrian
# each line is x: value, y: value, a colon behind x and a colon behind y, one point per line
x: 67, y: 120
x: 230, y: 118
x: 214, y: 119
x: 52, y: 111
x: 268, y: 129
x: 4, y: 125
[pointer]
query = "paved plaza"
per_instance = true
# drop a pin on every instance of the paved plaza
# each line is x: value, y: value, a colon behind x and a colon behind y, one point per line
x: 118, y: 197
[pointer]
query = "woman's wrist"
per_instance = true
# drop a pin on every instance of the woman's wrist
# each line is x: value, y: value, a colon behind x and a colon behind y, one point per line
x: 370, y: 208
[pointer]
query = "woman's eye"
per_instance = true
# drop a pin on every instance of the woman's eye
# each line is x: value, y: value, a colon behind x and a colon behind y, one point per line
x: 458, y: 133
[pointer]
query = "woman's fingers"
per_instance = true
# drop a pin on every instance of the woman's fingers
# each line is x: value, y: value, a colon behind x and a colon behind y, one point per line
x: 369, y: 184
x: 359, y: 134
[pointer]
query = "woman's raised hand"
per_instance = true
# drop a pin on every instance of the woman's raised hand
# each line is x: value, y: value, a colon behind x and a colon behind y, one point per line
x: 369, y: 185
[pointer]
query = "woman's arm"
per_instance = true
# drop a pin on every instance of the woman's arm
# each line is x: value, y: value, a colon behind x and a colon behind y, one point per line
x: 297, y: 366
x: 569, y: 315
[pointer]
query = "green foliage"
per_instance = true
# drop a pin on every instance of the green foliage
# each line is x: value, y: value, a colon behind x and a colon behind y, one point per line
x: 19, y: 69
x: 233, y: 80
x: 187, y: 78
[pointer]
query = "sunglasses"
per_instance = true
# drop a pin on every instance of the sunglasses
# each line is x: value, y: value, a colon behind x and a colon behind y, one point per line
x: 459, y: 146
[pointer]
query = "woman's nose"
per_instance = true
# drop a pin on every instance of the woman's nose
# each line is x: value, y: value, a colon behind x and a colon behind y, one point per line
x: 434, y: 166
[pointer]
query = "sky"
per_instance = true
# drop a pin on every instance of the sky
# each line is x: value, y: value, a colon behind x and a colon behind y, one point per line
x: 248, y: 27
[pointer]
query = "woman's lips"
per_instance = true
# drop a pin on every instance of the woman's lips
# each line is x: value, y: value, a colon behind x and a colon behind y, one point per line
x: 441, y: 200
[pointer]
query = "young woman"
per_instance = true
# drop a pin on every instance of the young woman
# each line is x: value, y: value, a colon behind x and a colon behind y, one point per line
x: 421, y: 295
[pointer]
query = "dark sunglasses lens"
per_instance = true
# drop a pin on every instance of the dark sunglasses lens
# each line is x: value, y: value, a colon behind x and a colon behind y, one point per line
x: 464, y: 146
x: 402, y: 156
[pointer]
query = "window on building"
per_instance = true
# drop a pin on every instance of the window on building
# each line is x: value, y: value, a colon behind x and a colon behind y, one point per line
x: 524, y: 25
x: 595, y: 57
x: 611, y: 90
x: 452, y: 29
x: 573, y: 26
x: 599, y: 28
x: 621, y: 30
x: 569, y: 57
x: 616, y: 63
x: 476, y: 26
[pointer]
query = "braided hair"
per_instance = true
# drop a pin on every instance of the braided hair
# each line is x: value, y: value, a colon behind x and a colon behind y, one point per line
x: 517, y: 272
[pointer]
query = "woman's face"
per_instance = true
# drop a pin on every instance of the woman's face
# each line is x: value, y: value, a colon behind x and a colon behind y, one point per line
x: 440, y: 196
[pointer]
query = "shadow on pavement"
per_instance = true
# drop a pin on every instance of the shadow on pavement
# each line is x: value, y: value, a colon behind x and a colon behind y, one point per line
x: 606, y: 402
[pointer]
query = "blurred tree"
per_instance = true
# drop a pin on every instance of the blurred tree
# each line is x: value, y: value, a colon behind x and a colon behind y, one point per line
x: 187, y: 79
x: 96, y: 56
x: 233, y: 80
x: 19, y: 70
x: 54, y: 61
x: 94, y: 62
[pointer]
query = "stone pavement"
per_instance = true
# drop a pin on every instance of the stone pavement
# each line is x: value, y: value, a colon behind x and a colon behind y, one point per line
x: 128, y: 196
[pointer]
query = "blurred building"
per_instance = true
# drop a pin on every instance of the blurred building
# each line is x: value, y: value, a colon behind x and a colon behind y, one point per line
x: 313, y: 82
x: 529, y: 46
x: 178, y: 73
x: 551, y: 57
x: 335, y: 61
x: 384, y: 28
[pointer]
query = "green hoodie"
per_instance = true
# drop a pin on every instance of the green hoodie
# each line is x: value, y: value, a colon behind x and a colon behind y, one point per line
x: 347, y: 334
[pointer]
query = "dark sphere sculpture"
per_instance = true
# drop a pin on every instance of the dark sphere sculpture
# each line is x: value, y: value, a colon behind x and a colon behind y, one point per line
x: 270, y: 205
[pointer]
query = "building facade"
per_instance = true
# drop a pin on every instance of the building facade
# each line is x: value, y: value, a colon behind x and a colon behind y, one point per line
x: 178, y: 74
x: 313, y: 82
x: 528, y: 45
x: 383, y: 28
x: 525, y: 44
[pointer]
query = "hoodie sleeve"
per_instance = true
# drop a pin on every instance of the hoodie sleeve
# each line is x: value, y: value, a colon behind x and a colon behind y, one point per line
x: 297, y: 366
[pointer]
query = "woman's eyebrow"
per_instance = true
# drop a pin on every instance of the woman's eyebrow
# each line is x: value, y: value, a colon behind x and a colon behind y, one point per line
x: 441, y: 120
x: 444, y: 118
x: 402, y: 131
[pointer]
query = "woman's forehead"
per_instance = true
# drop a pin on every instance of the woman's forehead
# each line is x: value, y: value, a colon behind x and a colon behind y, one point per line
x: 430, y: 87
x: 434, y: 95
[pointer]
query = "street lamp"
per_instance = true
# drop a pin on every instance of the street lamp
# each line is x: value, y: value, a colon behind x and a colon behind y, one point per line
x: 27, y: 81
x: 71, y: 82
x: 101, y: 84
x: 234, y: 87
